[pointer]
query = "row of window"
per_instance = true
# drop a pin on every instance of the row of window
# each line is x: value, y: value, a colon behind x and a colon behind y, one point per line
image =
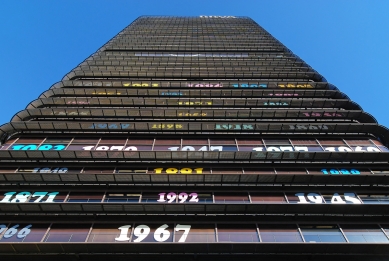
x: 197, y: 170
x: 206, y: 84
x: 196, y: 233
x: 214, y: 93
x: 194, y: 69
x: 144, y: 144
x: 193, y: 197
x: 172, y: 102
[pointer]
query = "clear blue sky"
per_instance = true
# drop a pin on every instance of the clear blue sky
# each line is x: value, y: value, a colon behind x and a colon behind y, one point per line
x: 344, y: 40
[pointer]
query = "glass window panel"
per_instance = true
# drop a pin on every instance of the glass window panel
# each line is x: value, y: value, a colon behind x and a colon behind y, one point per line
x: 309, y: 148
x: 222, y: 141
x: 166, y: 148
x: 194, y: 142
x: 279, y: 233
x: 5, y: 147
x: 8, y: 170
x: 26, y: 232
x: 291, y: 172
x: 85, y: 197
x: 251, y: 148
x: 57, y: 140
x: 380, y: 171
x: 249, y: 142
x: 202, y: 198
x: 10, y: 141
x: 332, y: 142
x: 151, y: 236
x: 376, y: 142
x: 67, y: 233
x: 154, y: 197
x: 227, y: 148
x: 194, y: 148
x: 365, y: 142
x: 81, y: 147
x: 269, y: 198
x: 304, y: 142
x: 121, y: 198
x: 98, y: 170
x: 227, y: 171
x: 140, y: 142
x: 122, y: 170
x: 107, y: 233
x: 386, y: 228
x: 168, y: 142
x: 374, y: 199
x: 237, y: 233
x: 383, y: 148
x: 370, y: 148
x: 140, y: 147
x: 322, y: 233
x: 110, y: 141
x: 276, y: 142
x: 363, y: 233
x: 231, y: 197
x: 315, y: 171
x: 259, y: 171
x: 70, y: 170
x: 29, y: 140
x: 89, y: 141
x: 198, y: 234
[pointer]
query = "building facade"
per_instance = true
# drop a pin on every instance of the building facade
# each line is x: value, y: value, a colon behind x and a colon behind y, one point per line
x: 198, y: 138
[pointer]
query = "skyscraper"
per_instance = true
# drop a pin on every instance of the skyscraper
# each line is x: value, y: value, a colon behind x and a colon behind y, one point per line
x: 194, y: 138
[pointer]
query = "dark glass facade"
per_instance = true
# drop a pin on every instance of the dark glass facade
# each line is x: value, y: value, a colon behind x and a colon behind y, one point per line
x: 197, y: 138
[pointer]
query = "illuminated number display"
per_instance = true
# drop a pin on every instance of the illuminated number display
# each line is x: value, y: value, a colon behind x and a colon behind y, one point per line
x: 167, y: 126
x: 276, y: 103
x: 249, y: 85
x: 140, y: 84
x: 109, y: 126
x: 37, y: 147
x: 15, y: 231
x: 25, y: 196
x: 234, y: 127
x: 341, y: 171
x: 172, y: 93
x: 195, y: 170
x: 194, y: 114
x: 50, y: 170
x: 284, y: 94
x: 144, y: 233
x: 207, y: 85
x: 321, y: 114
x: 303, y: 86
x: 180, y: 171
x: 315, y: 198
x: 195, y: 103
x: 308, y: 127
x: 182, y: 197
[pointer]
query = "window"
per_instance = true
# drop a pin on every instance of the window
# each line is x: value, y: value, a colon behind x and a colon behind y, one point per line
x: 363, y: 233
x: 279, y: 233
x: 322, y: 233
x: 237, y: 233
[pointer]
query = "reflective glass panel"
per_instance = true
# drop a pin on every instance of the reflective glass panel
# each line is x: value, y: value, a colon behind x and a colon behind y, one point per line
x: 322, y: 233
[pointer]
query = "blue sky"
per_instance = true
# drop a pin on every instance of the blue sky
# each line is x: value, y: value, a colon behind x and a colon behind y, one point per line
x: 347, y: 41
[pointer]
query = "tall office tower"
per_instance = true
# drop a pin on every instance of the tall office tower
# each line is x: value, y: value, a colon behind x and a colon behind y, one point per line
x: 194, y: 138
